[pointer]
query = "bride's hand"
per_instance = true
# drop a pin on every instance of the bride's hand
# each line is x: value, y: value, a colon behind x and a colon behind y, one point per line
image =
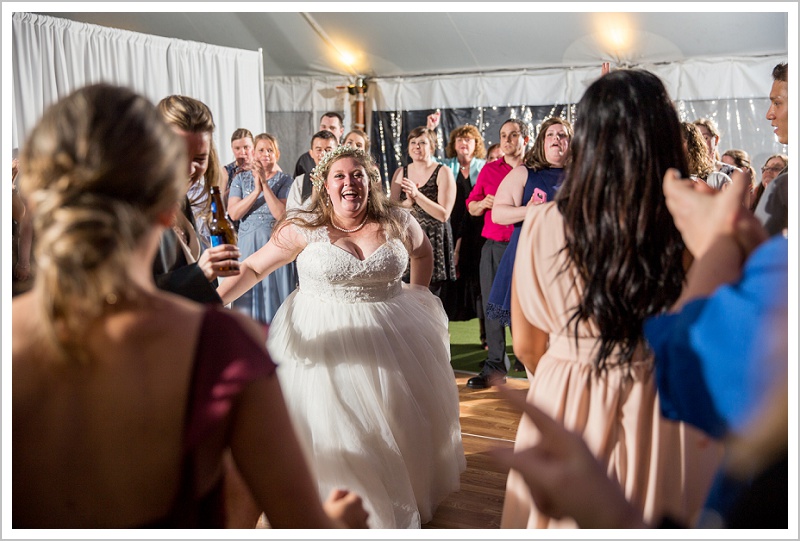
x: 346, y: 509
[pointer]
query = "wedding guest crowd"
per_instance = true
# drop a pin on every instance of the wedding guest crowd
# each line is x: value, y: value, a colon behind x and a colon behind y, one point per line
x: 303, y: 375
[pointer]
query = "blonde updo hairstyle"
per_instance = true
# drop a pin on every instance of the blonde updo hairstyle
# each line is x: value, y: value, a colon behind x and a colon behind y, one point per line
x: 98, y: 170
x: 379, y: 207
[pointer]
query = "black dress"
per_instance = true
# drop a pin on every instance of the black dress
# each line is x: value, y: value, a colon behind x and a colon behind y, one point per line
x: 173, y: 273
x: 462, y: 298
x: 439, y: 233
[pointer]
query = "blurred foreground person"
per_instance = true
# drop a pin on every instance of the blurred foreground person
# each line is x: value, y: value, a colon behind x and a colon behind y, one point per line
x: 590, y: 268
x: 125, y: 397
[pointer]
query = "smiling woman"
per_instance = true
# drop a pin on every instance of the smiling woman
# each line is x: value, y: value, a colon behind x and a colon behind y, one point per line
x: 258, y: 200
x: 394, y: 436
x: 532, y: 183
x: 429, y: 190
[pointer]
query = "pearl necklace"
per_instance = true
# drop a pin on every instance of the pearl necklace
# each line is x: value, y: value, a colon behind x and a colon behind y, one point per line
x: 363, y: 223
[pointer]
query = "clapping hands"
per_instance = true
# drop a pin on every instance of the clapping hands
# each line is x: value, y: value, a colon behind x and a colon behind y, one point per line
x: 409, y: 187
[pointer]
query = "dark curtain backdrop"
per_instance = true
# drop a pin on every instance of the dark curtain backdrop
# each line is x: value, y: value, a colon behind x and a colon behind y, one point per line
x: 390, y: 129
x: 740, y: 121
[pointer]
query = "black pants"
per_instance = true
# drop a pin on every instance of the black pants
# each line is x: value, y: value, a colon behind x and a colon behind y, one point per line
x: 491, y: 254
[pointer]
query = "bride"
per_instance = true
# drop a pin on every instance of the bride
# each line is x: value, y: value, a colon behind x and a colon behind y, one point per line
x: 363, y: 358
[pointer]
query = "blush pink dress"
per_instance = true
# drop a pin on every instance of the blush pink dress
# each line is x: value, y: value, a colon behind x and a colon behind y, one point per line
x: 664, y: 467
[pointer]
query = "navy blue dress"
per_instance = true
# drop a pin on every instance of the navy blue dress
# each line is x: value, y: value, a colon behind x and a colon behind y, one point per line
x: 544, y: 182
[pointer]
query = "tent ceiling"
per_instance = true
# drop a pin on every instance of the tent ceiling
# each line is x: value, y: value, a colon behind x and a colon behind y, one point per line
x: 403, y: 44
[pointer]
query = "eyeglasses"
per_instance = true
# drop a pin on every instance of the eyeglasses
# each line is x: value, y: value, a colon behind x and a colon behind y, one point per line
x: 771, y: 169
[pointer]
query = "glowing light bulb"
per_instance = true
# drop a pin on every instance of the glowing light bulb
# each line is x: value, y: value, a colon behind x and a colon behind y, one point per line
x: 617, y: 36
x: 347, y: 58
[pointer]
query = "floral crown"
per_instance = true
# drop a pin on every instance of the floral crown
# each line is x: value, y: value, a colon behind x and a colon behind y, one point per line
x: 319, y: 172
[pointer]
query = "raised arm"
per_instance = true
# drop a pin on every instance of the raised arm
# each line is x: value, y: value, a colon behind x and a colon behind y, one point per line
x: 508, y: 208
x: 283, y: 248
x: 716, y: 229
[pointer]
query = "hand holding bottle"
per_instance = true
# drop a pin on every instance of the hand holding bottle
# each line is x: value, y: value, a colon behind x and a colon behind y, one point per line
x: 222, y: 259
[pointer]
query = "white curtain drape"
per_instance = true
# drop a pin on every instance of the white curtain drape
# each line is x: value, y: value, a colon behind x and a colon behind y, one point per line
x: 53, y: 57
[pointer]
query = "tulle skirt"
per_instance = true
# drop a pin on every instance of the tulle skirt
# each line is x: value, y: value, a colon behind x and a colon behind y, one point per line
x: 373, y: 398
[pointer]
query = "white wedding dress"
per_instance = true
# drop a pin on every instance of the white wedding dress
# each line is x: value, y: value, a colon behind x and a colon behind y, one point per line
x: 364, y: 363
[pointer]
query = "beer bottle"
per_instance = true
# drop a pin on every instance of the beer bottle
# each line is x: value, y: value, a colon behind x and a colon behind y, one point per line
x: 220, y: 228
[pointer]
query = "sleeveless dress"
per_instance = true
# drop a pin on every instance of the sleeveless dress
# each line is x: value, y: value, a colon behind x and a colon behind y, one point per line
x: 255, y: 228
x: 547, y: 182
x: 364, y: 364
x: 228, y: 359
x: 439, y: 233
x: 461, y: 298
x: 663, y: 467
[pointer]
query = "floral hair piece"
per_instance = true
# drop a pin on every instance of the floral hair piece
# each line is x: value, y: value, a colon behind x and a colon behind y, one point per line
x: 320, y: 171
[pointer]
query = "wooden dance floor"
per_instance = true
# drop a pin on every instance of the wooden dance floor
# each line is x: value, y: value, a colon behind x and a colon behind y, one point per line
x: 486, y: 422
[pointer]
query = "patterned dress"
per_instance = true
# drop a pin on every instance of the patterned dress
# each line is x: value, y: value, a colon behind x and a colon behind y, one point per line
x: 255, y: 228
x: 439, y: 233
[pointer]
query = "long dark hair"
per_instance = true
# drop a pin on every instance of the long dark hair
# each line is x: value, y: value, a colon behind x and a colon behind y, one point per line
x: 620, y: 237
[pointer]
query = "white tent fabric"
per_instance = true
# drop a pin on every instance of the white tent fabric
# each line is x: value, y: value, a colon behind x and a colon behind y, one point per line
x: 689, y: 80
x: 733, y: 91
x: 694, y: 79
x: 53, y: 57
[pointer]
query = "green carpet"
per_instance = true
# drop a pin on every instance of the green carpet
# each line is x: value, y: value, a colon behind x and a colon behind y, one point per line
x: 466, y: 351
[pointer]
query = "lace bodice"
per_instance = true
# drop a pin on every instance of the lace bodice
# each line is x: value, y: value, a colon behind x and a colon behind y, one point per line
x: 327, y: 271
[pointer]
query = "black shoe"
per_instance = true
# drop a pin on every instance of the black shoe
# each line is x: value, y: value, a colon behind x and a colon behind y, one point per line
x: 518, y: 366
x: 483, y: 381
